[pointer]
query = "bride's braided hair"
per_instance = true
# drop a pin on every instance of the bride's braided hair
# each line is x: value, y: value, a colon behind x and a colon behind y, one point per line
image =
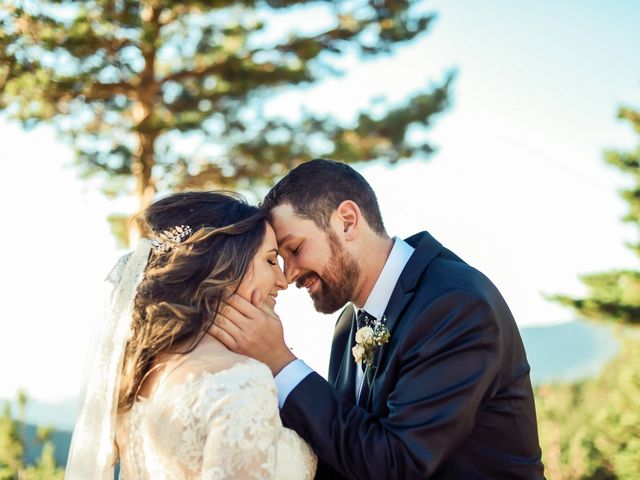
x: 182, y: 288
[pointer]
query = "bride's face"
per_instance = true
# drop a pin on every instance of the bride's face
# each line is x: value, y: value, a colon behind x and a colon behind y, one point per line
x: 264, y: 274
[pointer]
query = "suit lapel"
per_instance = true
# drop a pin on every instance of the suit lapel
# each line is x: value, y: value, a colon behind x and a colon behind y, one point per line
x: 426, y: 249
x: 396, y: 305
x: 344, y: 340
x: 340, y: 342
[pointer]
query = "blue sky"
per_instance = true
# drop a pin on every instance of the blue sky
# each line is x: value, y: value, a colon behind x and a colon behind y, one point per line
x: 517, y: 187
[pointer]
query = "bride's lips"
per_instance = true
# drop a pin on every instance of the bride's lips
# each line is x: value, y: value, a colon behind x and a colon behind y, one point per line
x: 271, y: 299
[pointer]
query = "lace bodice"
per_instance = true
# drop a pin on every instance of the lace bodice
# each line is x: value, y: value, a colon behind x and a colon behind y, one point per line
x: 204, y: 424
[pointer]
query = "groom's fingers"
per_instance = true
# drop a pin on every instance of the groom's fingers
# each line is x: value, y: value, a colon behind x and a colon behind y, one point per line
x: 228, y: 325
x: 258, y: 301
x: 243, y: 306
x: 226, y: 339
x: 232, y: 314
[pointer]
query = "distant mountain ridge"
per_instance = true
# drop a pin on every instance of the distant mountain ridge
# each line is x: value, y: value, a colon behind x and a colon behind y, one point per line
x: 568, y: 352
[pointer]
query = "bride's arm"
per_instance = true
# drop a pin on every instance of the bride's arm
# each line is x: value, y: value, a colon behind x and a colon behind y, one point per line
x: 243, y: 423
x: 225, y: 424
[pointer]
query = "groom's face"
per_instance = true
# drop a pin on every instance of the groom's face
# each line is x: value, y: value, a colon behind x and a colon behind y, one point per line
x: 315, y: 259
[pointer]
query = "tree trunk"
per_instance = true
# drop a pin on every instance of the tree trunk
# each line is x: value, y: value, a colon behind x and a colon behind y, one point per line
x: 144, y: 157
x: 143, y: 161
x: 141, y: 167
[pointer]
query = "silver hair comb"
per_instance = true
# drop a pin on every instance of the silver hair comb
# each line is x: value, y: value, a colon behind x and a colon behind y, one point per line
x: 167, y: 239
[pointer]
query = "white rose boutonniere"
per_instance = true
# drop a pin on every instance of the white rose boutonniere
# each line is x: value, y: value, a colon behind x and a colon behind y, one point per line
x: 364, y: 336
x: 368, y: 340
x: 358, y: 353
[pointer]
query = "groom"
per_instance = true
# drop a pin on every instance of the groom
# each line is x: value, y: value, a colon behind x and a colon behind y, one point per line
x: 446, y: 391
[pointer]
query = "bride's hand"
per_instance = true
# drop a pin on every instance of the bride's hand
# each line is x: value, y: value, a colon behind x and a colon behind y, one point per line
x: 252, y: 329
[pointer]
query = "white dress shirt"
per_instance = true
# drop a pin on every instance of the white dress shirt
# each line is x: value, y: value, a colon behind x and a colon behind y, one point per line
x: 291, y: 375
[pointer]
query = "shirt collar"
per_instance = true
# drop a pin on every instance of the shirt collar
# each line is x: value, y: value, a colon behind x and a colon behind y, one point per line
x: 379, y: 297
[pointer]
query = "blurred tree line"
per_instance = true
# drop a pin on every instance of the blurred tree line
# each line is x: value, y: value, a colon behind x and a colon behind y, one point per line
x: 591, y: 430
x: 13, y: 448
x: 163, y: 95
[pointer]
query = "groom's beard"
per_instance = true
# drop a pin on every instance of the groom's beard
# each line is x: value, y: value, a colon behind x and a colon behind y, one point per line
x: 338, y: 281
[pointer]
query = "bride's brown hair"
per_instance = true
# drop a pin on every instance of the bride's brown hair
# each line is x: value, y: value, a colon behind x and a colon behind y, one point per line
x: 182, y: 288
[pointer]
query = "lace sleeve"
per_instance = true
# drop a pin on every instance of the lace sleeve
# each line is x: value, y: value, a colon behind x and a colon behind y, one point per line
x: 213, y: 425
x: 244, y: 424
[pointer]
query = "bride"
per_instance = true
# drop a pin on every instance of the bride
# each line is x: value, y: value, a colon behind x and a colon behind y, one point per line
x: 160, y: 394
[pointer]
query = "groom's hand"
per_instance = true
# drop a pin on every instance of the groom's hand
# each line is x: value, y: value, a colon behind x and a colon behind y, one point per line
x: 252, y: 329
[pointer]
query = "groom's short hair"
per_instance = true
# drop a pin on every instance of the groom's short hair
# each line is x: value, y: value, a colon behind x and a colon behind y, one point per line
x: 316, y: 188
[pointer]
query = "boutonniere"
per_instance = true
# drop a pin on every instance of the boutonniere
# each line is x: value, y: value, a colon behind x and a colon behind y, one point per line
x: 368, y: 340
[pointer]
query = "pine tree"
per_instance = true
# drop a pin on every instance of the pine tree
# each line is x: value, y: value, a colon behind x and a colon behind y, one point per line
x: 615, y: 296
x: 591, y: 430
x: 129, y: 83
x: 11, y: 446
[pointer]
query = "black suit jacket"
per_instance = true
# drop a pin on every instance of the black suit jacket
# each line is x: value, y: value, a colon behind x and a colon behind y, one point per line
x: 450, y: 395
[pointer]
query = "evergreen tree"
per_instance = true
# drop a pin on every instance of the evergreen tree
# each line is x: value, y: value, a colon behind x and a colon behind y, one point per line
x: 131, y: 82
x: 591, y: 430
x: 11, y: 446
x: 615, y: 296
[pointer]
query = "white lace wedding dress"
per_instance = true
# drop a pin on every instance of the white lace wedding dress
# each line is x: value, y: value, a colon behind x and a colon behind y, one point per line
x: 212, y: 414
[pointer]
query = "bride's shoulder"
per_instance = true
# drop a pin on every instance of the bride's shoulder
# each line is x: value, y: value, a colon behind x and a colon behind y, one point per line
x: 210, y: 362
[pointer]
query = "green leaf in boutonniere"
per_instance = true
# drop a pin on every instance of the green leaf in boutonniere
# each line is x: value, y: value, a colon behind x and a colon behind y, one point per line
x: 368, y: 340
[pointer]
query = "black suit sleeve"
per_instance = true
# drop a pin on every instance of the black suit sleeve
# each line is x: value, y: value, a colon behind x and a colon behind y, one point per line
x: 448, y: 363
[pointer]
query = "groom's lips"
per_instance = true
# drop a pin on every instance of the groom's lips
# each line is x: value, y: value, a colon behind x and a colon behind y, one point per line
x: 309, y: 281
x: 314, y: 286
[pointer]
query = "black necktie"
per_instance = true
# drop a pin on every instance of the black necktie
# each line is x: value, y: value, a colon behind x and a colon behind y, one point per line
x: 364, y: 319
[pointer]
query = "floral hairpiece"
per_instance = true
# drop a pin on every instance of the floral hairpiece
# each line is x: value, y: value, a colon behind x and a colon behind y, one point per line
x: 167, y: 239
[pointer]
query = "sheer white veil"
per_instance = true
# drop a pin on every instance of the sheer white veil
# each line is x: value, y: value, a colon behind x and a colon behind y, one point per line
x: 92, y: 452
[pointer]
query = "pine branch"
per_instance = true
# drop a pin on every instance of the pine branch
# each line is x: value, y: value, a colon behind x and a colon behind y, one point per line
x: 105, y: 91
x: 195, y: 73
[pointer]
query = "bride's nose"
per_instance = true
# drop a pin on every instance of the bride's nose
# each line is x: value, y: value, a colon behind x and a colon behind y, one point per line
x: 281, y: 280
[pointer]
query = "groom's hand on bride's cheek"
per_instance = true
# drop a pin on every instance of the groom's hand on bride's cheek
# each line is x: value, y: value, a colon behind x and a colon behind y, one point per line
x: 252, y: 329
